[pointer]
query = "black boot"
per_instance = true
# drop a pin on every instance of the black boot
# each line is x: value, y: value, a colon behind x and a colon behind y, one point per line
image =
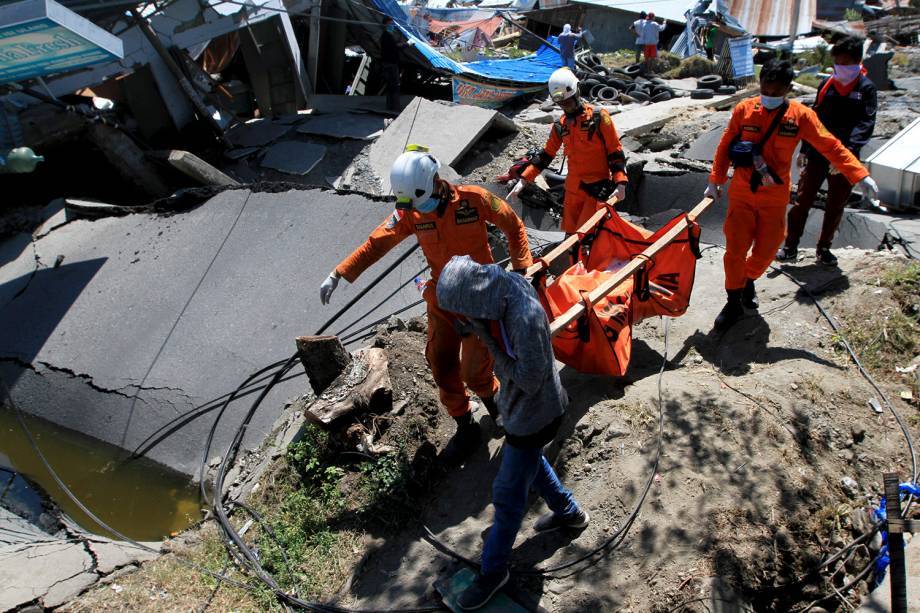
x: 731, y: 312
x: 749, y: 296
x: 464, y: 442
x: 489, y: 403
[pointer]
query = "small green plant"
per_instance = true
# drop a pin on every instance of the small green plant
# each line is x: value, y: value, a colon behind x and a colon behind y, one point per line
x: 818, y: 56
x: 810, y: 79
x: 852, y: 15
x: 904, y: 283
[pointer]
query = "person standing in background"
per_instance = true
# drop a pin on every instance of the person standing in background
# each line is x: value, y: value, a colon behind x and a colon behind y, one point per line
x: 651, y: 32
x: 567, y: 40
x: 390, y: 44
x: 636, y: 28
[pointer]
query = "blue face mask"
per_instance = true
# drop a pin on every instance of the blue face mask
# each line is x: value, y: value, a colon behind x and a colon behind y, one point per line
x: 428, y: 205
x: 771, y: 102
x: 391, y: 29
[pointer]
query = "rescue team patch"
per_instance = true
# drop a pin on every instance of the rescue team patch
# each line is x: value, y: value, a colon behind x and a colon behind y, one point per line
x: 395, y: 218
x: 606, y: 119
x: 465, y: 216
x: 750, y: 128
x: 788, y: 128
x: 495, y: 203
x: 421, y: 227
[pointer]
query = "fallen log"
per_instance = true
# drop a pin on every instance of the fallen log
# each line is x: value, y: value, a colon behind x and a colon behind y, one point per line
x: 364, y: 385
x: 629, y: 270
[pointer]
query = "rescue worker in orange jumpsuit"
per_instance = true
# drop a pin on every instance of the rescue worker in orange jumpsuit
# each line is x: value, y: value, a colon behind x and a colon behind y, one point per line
x: 760, y: 188
x: 447, y: 220
x: 597, y: 164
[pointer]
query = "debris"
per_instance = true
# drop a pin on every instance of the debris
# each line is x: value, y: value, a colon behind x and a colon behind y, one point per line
x: 324, y: 358
x: 293, y: 157
x: 907, y: 395
x: 850, y: 486
x: 196, y: 168
x: 257, y: 133
x: 875, y: 405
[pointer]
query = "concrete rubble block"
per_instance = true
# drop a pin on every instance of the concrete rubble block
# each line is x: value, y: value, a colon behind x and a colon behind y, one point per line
x: 293, y: 157
x: 193, y: 166
x: 68, y: 589
x: 257, y: 133
x: 448, y: 130
x: 324, y: 358
x: 704, y: 147
x: 332, y: 103
x: 643, y: 119
x: 363, y: 385
x: 358, y: 126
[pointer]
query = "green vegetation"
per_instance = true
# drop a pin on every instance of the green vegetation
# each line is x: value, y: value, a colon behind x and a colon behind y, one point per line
x: 888, y: 333
x: 852, y: 15
x: 696, y: 66
x: 810, y: 79
x: 819, y: 56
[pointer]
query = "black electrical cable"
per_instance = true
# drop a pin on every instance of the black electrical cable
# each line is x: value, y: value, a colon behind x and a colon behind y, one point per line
x: 386, y: 299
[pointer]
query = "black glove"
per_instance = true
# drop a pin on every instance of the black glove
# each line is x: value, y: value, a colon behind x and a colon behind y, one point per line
x: 520, y: 271
x: 601, y: 190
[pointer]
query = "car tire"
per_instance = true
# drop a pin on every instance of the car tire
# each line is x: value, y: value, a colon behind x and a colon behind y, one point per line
x: 710, y: 81
x: 701, y: 94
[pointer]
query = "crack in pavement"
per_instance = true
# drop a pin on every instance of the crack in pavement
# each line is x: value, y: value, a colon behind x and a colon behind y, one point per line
x: 38, y: 266
x: 88, y: 380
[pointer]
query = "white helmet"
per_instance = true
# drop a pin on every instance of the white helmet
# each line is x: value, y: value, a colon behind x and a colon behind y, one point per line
x: 562, y: 85
x: 412, y: 175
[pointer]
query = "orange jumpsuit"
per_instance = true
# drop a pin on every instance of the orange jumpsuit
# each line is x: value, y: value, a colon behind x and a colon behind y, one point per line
x: 459, y: 230
x: 595, y: 153
x: 756, y: 222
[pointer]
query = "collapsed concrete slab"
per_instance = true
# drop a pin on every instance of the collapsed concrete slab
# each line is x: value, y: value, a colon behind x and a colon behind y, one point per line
x: 293, y: 157
x: 257, y: 133
x: 359, y: 126
x: 645, y: 118
x: 448, y: 130
x: 36, y: 567
x: 147, y: 319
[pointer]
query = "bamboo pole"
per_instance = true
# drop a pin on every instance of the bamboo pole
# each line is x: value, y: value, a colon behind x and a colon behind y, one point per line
x: 629, y: 270
x: 567, y: 244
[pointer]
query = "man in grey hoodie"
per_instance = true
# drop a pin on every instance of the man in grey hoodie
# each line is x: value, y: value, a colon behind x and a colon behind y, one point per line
x: 503, y: 311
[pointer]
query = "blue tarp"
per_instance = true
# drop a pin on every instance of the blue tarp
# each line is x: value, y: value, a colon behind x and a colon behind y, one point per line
x: 530, y: 70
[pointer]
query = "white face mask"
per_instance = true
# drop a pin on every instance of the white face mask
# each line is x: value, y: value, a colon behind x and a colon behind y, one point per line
x: 771, y: 102
x: 428, y: 205
x: 845, y: 73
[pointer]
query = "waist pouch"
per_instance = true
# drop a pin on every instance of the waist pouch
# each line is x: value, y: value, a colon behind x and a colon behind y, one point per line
x: 741, y: 153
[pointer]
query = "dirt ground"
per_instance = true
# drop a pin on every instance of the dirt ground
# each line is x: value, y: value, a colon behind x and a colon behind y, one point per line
x: 761, y: 427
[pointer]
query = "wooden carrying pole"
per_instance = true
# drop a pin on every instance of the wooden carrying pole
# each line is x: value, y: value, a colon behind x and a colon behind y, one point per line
x: 629, y: 270
x: 567, y: 244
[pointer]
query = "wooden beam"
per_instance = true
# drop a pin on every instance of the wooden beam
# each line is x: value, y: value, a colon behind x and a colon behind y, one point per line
x: 629, y: 270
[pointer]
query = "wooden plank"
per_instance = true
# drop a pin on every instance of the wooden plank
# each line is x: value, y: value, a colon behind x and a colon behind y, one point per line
x: 567, y: 244
x: 629, y: 270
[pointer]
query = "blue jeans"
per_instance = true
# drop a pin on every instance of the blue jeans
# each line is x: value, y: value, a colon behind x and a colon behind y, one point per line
x: 569, y: 60
x: 520, y: 469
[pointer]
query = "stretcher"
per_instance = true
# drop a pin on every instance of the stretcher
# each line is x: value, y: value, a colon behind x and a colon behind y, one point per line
x: 623, y: 274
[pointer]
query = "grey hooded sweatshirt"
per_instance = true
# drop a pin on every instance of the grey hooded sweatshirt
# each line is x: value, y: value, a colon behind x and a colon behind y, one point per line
x: 531, y: 396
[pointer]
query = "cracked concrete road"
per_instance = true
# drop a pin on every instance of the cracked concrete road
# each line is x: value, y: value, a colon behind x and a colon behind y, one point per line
x: 147, y: 318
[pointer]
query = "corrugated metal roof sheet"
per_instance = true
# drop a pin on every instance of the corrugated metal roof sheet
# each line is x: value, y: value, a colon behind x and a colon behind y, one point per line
x: 672, y: 10
x: 773, y: 17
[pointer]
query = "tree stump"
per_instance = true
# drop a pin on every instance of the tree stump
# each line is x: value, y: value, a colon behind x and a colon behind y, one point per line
x: 324, y: 358
x: 364, y: 385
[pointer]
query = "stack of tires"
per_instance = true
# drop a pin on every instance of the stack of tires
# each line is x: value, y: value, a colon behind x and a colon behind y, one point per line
x: 604, y: 85
x: 710, y: 85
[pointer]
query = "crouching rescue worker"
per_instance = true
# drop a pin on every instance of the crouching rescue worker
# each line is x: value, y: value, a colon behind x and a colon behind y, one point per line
x: 503, y: 311
x: 446, y: 220
x: 760, y: 141
x: 597, y: 164
x: 846, y: 105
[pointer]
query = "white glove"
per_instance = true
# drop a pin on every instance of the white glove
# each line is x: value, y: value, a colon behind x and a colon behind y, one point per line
x: 869, y: 188
x: 515, y: 192
x: 713, y: 191
x: 619, y: 194
x: 328, y: 286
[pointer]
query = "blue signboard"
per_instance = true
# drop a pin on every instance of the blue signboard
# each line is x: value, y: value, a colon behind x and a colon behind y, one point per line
x: 42, y: 37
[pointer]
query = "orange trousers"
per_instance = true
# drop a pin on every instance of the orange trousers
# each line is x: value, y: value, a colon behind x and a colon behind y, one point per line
x: 753, y: 233
x: 455, y: 360
x: 577, y: 208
